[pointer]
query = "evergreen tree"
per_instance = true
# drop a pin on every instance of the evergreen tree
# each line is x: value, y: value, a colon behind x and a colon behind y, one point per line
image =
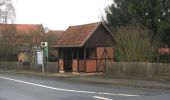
x: 154, y: 14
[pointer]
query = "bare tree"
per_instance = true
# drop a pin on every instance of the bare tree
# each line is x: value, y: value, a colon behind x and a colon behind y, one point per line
x: 7, y: 43
x: 7, y: 11
x: 7, y: 34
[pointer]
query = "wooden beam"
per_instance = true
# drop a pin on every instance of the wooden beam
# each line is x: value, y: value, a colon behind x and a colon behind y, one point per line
x: 102, y: 57
x: 105, y: 59
x: 96, y: 59
x: 77, y: 59
x: 85, y: 58
x: 72, y: 59
x: 59, y: 53
x: 59, y: 58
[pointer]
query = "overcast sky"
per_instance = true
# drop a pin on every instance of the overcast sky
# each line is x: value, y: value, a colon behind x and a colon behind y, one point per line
x: 59, y: 14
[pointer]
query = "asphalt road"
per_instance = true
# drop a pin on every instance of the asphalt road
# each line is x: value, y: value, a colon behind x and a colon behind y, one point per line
x: 28, y: 87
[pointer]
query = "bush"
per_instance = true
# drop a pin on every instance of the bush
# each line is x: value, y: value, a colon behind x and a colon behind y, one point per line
x: 135, y: 43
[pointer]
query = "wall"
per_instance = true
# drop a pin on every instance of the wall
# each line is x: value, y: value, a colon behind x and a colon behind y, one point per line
x: 100, y: 38
x: 90, y: 66
x: 82, y: 67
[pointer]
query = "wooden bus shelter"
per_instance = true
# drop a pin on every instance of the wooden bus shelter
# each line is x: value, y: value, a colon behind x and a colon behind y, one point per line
x: 85, y: 48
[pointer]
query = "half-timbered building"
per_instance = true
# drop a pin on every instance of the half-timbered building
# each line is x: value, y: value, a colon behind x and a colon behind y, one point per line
x: 85, y: 48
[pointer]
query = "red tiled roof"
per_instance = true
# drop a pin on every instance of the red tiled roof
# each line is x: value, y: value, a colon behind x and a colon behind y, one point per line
x: 76, y: 36
x: 56, y: 32
x: 21, y: 28
x: 53, y: 35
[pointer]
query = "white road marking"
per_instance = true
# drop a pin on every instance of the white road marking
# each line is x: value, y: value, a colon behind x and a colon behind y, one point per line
x: 102, y: 98
x: 67, y: 90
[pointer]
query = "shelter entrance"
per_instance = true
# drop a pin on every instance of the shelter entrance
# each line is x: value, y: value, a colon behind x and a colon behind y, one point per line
x: 68, y: 60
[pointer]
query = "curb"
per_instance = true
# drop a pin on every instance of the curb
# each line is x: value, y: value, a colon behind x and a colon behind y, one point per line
x: 39, y: 74
x: 134, y: 84
x: 100, y: 80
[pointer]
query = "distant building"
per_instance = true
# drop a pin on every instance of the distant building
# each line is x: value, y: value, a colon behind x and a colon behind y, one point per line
x: 24, y: 38
x: 51, y: 37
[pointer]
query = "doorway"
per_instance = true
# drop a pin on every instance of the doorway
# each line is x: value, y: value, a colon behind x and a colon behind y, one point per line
x: 68, y: 60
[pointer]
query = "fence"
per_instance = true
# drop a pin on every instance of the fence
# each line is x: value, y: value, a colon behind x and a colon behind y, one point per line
x: 50, y: 67
x: 137, y: 69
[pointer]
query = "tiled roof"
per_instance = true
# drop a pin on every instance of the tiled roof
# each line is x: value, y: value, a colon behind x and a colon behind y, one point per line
x: 53, y: 35
x: 55, y: 32
x: 21, y: 28
x: 76, y: 36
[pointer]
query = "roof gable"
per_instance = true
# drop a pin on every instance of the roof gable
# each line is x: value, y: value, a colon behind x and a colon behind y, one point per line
x: 77, y: 36
x: 100, y: 38
x: 110, y: 35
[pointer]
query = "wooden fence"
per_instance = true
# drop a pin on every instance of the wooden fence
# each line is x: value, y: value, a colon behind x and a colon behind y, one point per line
x: 50, y: 67
x: 137, y: 69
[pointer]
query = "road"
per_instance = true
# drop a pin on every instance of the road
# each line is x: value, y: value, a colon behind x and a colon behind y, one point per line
x: 29, y: 87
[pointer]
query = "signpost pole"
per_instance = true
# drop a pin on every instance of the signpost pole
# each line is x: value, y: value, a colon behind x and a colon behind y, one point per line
x: 42, y: 62
x: 46, y: 56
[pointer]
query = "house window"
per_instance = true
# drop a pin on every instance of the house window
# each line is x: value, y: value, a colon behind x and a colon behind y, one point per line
x: 91, y: 53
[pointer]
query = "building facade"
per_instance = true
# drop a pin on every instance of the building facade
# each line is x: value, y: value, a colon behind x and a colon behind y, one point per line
x: 85, y: 48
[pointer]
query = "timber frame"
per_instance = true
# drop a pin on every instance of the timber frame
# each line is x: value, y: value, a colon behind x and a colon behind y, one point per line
x: 85, y: 48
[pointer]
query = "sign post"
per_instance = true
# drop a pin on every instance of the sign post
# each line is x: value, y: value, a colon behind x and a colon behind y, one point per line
x: 44, y: 45
x: 40, y: 60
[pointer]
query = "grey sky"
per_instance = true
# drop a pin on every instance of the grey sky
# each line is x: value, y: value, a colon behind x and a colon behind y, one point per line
x: 59, y: 14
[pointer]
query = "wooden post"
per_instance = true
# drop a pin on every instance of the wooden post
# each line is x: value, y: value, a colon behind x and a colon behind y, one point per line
x: 96, y: 59
x: 85, y: 58
x: 77, y: 59
x: 61, y: 63
x: 58, y: 59
x: 105, y: 58
x: 75, y: 63
x: 61, y: 66
x: 72, y: 59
